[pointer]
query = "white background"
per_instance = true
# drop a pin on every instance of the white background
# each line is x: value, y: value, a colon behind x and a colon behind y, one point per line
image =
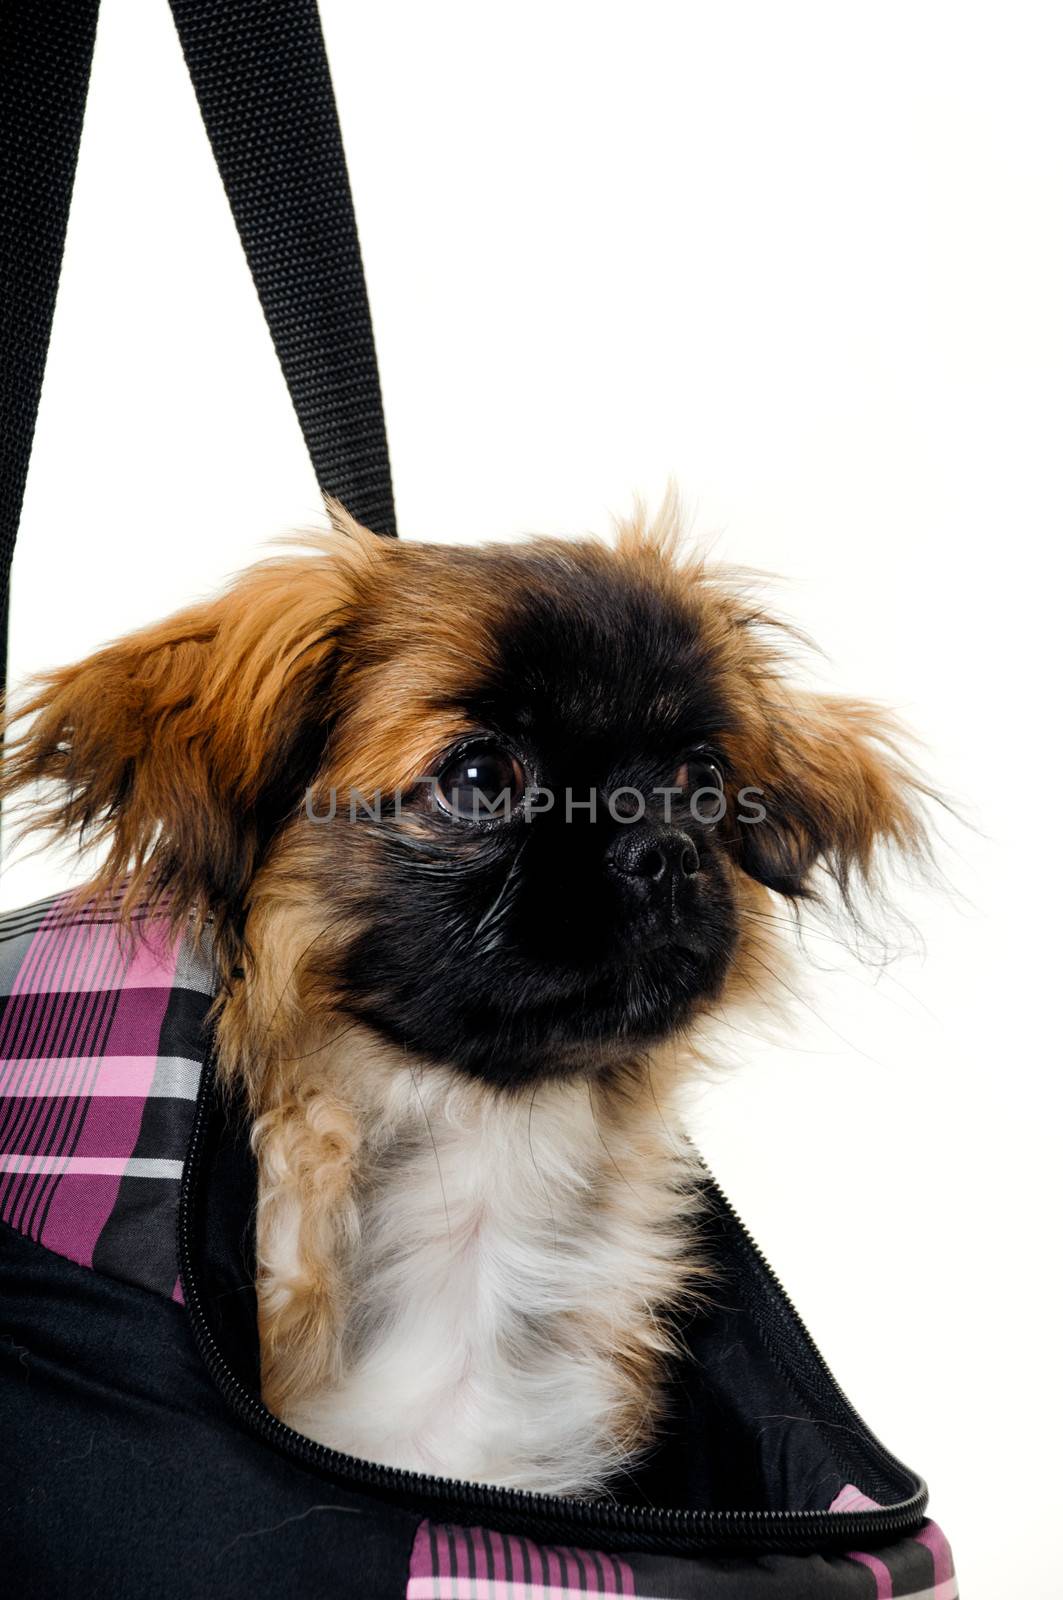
x: 808, y: 259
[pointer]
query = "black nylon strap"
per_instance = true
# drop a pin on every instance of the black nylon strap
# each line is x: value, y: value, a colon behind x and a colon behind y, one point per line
x: 262, y: 80
x: 45, y: 56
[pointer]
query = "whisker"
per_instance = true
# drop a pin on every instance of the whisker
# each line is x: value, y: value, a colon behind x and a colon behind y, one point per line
x: 538, y: 1170
x: 803, y: 931
x: 802, y: 1001
x: 302, y: 957
x: 494, y: 910
x: 669, y: 1130
x: 435, y: 1151
x: 759, y: 1038
x: 307, y: 1055
x: 598, y: 1129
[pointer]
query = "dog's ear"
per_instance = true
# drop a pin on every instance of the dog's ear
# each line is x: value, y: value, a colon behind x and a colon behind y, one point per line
x: 826, y: 786
x: 183, y: 747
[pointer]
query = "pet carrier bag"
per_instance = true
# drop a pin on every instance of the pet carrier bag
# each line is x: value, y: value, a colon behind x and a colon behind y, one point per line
x: 136, y: 1457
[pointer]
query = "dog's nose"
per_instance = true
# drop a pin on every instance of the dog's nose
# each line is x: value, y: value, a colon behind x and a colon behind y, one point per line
x: 654, y: 853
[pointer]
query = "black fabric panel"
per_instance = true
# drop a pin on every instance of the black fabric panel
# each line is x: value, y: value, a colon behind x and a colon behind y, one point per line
x: 45, y: 56
x: 804, y: 1577
x: 139, y: 1236
x: 123, y: 1474
x: 262, y: 79
x: 183, y: 1025
x: 138, y: 1241
x: 754, y: 1422
x: 226, y: 1266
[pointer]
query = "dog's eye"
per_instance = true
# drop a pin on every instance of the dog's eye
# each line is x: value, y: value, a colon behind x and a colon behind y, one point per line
x: 699, y: 771
x: 701, y: 781
x: 482, y: 782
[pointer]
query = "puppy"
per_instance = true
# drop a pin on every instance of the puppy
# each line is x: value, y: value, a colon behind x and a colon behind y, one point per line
x: 483, y: 836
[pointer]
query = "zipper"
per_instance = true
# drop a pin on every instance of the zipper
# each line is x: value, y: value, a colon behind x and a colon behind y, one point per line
x: 610, y: 1524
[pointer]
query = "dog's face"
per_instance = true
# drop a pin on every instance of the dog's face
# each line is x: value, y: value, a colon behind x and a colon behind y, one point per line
x: 514, y: 808
x: 549, y: 890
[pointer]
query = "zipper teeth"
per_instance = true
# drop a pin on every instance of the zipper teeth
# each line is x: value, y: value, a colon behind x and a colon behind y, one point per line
x: 679, y: 1527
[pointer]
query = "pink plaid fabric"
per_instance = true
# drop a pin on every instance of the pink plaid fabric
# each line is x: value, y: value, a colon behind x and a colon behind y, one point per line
x: 101, y: 1046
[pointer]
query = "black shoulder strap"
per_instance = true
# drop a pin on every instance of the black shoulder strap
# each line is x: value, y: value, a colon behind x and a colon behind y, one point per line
x: 262, y: 80
x: 45, y: 55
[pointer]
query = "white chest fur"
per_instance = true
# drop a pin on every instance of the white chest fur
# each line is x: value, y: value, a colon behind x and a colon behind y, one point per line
x: 510, y: 1254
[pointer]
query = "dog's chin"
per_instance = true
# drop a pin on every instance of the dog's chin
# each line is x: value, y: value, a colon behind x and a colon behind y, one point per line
x: 568, y: 1030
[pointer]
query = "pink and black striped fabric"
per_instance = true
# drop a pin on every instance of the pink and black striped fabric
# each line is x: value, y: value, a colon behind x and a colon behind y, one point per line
x: 455, y: 1563
x: 101, y: 1048
x: 451, y: 1563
